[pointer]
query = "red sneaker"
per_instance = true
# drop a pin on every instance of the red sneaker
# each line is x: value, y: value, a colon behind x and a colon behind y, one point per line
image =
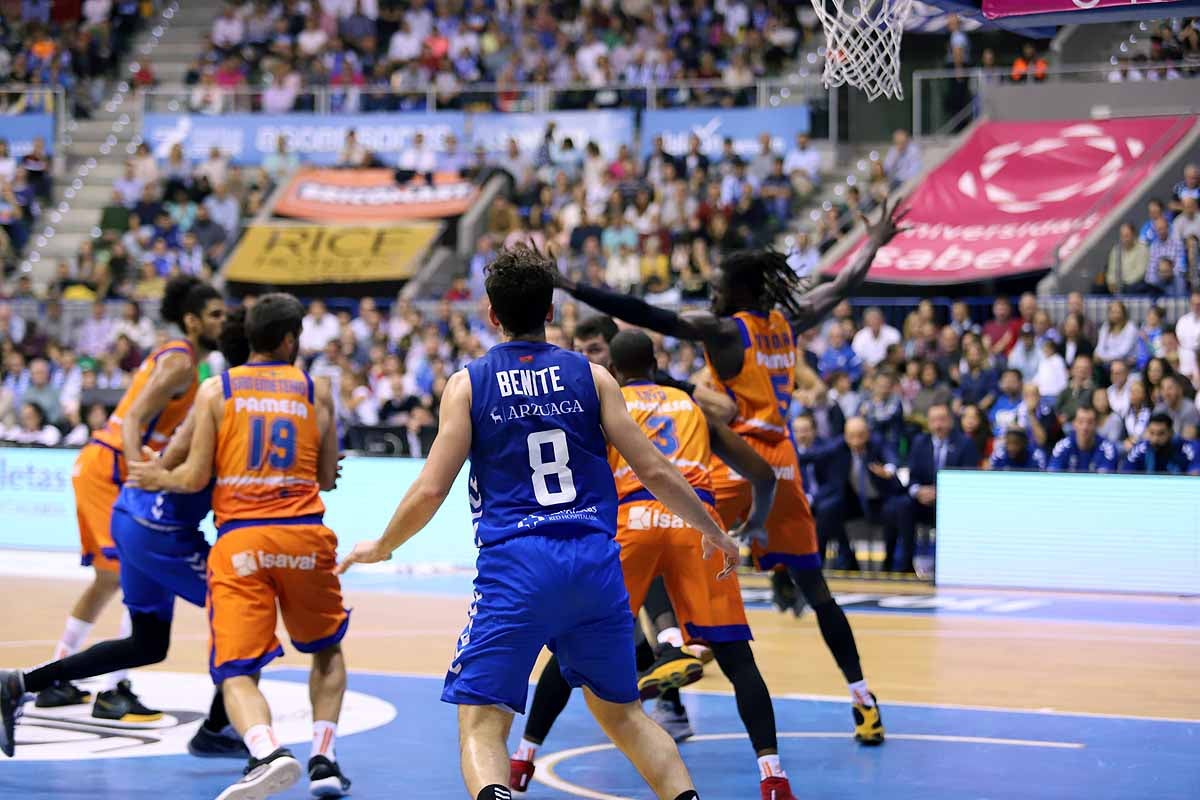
x: 776, y: 789
x: 520, y: 773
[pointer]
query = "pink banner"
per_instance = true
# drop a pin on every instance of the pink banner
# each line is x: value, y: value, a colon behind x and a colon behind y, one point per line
x: 995, y: 9
x: 1015, y: 194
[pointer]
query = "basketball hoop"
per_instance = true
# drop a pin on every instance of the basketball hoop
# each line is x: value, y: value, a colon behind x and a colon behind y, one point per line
x: 862, y: 44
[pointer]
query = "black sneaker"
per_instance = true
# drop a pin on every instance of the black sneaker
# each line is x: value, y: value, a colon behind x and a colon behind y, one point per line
x: 217, y: 744
x: 62, y: 693
x: 12, y: 698
x: 325, y: 779
x: 122, y: 705
x: 673, y: 669
x: 261, y: 779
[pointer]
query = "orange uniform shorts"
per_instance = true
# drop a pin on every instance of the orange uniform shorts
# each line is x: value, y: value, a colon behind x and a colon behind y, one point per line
x: 791, y: 529
x: 253, y: 566
x: 654, y: 541
x: 97, y: 477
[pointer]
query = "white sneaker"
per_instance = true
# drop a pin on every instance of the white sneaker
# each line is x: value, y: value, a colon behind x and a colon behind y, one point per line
x: 264, y: 778
x: 676, y: 724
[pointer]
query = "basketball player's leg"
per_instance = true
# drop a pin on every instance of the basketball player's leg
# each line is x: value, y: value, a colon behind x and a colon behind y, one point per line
x: 242, y: 618
x: 310, y: 602
x: 596, y: 651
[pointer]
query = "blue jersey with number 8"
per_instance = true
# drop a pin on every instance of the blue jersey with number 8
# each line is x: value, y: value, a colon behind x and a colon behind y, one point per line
x: 539, y: 459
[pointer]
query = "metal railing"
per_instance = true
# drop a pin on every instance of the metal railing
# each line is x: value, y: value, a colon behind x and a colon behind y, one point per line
x: 932, y: 88
x: 540, y: 97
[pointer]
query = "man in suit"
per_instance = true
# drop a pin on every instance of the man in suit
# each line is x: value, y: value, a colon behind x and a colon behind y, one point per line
x: 943, y: 447
x: 855, y: 477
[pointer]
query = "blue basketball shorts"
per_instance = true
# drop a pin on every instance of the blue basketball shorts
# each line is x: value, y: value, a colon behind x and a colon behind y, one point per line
x: 158, y: 566
x: 565, y: 593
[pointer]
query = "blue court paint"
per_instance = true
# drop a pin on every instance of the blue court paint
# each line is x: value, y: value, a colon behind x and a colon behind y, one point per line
x: 1005, y: 756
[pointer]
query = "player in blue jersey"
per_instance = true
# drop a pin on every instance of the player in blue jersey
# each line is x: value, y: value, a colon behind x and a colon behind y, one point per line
x: 162, y: 555
x: 1083, y: 450
x: 533, y: 419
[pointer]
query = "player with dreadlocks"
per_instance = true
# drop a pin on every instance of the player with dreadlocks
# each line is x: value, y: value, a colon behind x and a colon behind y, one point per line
x: 758, y: 307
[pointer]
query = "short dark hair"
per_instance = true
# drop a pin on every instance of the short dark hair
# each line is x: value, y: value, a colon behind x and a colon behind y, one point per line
x: 233, y: 343
x: 1088, y: 407
x: 1014, y: 371
x: 632, y: 353
x: 273, y: 317
x: 1162, y: 417
x: 185, y: 295
x: 597, y: 325
x: 520, y: 286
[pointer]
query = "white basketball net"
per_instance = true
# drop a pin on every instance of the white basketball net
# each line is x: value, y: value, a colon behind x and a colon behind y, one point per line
x: 862, y: 44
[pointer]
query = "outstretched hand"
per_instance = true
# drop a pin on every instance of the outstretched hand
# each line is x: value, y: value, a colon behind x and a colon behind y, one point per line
x: 371, y: 552
x: 884, y: 229
x: 727, y: 546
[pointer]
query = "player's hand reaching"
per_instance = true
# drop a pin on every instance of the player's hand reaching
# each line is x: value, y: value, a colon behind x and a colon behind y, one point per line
x: 888, y: 225
x: 146, y: 474
x: 371, y: 552
x: 728, y: 547
x: 749, y: 534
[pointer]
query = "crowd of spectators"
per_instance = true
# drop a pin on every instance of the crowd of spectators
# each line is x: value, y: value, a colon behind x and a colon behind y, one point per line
x: 1159, y: 255
x: 79, y: 55
x: 1172, y: 52
x: 374, y: 55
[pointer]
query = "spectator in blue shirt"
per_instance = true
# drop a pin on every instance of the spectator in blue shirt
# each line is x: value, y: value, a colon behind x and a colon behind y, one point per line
x: 883, y: 410
x: 1005, y: 411
x: 1162, y: 451
x: 1155, y: 210
x: 839, y: 356
x: 1016, y: 454
x: 977, y: 385
x: 1083, y: 450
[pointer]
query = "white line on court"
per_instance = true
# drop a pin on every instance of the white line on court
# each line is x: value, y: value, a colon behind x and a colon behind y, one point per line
x: 546, y: 764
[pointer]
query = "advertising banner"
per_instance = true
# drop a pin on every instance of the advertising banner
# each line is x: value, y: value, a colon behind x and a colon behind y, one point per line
x: 1016, y: 196
x: 714, y: 125
x: 371, y: 195
x: 316, y: 139
x: 21, y: 129
x: 38, y: 506
x: 996, y: 9
x: 302, y: 255
x: 608, y: 129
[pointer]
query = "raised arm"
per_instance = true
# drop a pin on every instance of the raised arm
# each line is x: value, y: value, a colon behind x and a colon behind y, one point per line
x: 817, y: 303
x: 734, y: 451
x: 149, y: 472
x: 171, y: 375
x: 427, y: 493
x: 655, y: 472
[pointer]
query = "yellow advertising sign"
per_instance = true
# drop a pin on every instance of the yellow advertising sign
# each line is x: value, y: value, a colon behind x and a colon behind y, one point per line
x: 295, y: 255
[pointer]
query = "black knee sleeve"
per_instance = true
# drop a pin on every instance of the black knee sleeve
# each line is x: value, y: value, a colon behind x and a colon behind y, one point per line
x: 736, y: 660
x: 148, y: 644
x: 549, y: 699
x: 658, y: 606
x: 690, y: 794
x: 494, y: 792
x: 835, y: 628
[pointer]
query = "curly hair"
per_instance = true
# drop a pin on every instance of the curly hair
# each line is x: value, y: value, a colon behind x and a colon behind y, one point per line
x: 766, y: 276
x: 185, y: 295
x: 520, y: 286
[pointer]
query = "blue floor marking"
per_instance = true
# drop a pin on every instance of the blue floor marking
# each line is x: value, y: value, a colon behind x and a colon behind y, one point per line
x: 415, y: 756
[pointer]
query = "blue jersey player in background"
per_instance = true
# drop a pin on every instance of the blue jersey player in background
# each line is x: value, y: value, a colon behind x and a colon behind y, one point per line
x: 535, y: 421
x: 163, y: 555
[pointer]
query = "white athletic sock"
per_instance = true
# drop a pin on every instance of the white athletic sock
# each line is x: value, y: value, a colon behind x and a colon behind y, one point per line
x: 671, y: 636
x: 769, y: 767
x: 525, y: 750
x: 860, y: 694
x: 260, y: 741
x: 324, y: 735
x: 113, y: 678
x: 74, y: 634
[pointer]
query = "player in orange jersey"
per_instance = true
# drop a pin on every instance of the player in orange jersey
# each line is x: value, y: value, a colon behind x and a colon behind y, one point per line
x: 154, y: 405
x: 750, y: 346
x: 267, y: 433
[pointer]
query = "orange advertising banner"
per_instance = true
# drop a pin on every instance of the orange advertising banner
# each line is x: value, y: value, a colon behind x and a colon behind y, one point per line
x: 372, y: 195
